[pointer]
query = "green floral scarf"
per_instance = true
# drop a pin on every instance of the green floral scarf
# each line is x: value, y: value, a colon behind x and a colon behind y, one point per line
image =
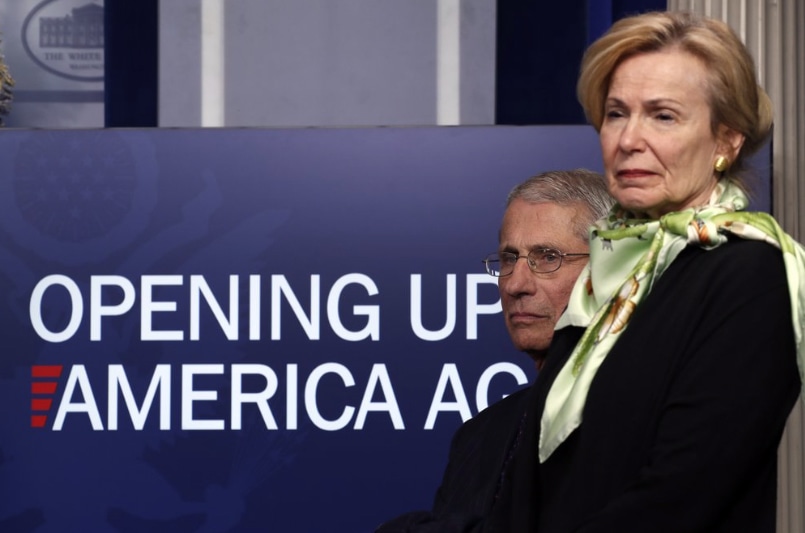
x: 626, y: 257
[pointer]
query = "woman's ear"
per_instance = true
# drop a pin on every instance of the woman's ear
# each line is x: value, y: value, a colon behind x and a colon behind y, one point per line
x: 730, y: 142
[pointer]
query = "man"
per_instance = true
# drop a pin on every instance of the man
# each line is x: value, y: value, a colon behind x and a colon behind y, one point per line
x: 546, y: 225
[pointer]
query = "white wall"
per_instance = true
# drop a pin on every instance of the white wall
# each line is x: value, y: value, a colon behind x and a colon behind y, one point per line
x: 282, y: 63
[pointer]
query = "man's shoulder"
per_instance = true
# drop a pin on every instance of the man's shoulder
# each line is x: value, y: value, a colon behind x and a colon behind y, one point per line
x: 512, y: 401
x: 504, y: 412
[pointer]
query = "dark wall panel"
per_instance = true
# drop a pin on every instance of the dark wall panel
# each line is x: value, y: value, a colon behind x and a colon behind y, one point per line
x: 132, y: 60
x: 539, y: 50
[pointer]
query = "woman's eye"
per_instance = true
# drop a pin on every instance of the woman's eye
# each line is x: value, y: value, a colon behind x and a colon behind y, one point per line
x: 614, y: 113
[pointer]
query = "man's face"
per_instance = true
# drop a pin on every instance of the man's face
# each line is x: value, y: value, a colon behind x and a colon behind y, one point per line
x: 532, y: 302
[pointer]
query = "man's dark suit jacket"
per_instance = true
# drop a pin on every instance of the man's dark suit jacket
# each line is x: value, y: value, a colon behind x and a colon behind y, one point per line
x: 480, y: 449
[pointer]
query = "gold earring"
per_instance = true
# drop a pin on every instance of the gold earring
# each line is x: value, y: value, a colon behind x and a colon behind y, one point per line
x: 721, y: 164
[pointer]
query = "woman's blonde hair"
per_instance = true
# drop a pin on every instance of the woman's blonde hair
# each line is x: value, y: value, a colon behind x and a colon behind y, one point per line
x: 735, y: 98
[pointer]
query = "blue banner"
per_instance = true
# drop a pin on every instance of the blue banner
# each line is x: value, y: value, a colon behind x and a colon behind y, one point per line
x: 250, y: 330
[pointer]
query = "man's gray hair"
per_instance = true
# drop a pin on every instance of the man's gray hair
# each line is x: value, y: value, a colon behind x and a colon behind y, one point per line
x: 568, y: 187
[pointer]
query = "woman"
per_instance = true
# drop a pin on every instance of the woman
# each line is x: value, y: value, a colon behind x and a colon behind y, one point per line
x: 674, y: 368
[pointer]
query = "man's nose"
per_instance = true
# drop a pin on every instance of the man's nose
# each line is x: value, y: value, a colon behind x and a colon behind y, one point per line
x: 522, y: 280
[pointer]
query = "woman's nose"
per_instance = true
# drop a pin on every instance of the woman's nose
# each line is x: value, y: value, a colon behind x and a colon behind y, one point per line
x: 631, y: 137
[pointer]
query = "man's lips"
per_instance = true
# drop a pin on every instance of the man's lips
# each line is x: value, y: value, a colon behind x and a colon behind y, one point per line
x: 526, y: 318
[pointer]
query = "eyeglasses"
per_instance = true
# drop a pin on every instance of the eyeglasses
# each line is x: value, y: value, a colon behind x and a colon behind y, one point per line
x: 541, y: 261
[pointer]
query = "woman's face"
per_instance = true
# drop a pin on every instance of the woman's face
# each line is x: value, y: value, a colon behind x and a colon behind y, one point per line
x: 657, y: 144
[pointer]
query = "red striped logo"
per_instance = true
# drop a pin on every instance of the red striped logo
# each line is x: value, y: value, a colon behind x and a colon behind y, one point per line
x: 43, y: 387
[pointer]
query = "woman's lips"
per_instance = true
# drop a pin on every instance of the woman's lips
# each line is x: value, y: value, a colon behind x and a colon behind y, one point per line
x: 634, y: 173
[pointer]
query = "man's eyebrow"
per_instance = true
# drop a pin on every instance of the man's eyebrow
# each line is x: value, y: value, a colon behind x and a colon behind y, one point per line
x: 507, y: 248
x: 544, y: 246
x: 530, y: 248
